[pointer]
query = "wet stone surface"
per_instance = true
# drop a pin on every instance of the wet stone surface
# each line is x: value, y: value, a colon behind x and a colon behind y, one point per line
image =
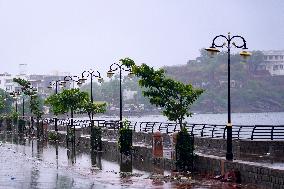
x: 28, y: 163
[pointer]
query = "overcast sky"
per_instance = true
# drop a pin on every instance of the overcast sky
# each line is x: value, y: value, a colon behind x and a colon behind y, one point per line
x: 76, y: 35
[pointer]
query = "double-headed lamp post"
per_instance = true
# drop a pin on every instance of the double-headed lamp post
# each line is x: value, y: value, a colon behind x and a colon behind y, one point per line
x: 91, y: 74
x: 14, y: 95
x: 212, y: 51
x: 51, y: 84
x: 77, y: 80
x: 114, y: 67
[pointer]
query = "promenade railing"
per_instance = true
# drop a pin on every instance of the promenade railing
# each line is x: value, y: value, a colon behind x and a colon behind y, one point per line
x: 250, y: 132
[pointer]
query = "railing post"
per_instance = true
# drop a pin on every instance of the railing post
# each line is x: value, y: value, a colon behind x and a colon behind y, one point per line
x: 239, y: 131
x: 202, y: 130
x: 159, y: 128
x: 213, y: 130
x: 193, y: 125
x: 224, y: 133
x: 252, y: 132
x: 175, y: 128
x: 272, y: 129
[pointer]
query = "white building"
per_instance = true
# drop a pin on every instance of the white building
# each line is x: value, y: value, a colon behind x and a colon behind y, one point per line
x: 6, y: 82
x: 273, y: 62
x: 128, y: 94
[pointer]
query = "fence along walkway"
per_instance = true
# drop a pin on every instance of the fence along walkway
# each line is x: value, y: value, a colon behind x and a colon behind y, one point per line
x: 251, y: 132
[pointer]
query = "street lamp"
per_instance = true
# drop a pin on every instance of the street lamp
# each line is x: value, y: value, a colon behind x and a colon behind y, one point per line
x: 23, y: 103
x: 114, y: 67
x: 213, y: 51
x: 32, y: 92
x: 14, y: 95
x: 91, y: 74
x: 73, y: 79
x: 55, y: 83
x: 69, y: 79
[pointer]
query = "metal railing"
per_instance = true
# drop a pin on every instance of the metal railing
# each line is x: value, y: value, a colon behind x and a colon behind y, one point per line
x: 250, y: 132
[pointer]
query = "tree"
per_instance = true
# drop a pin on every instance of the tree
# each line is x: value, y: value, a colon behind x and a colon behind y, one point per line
x: 173, y: 96
x: 68, y: 100
x: 5, y: 102
x: 94, y: 108
x: 96, y: 134
x: 36, y: 105
x: 255, y: 60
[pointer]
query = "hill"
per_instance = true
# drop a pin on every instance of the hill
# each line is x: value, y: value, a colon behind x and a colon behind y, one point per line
x: 251, y: 91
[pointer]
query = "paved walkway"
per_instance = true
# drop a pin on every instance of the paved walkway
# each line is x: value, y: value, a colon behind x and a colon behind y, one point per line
x: 35, y: 166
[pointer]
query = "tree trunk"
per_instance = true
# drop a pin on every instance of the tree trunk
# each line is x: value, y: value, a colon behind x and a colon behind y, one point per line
x: 72, y: 125
x: 180, y: 123
x: 37, y: 127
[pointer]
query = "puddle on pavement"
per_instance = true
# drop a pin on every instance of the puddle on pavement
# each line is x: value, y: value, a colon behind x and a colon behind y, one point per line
x: 29, y: 163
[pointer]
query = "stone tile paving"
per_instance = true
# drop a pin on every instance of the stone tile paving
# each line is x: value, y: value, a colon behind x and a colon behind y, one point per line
x: 36, y: 165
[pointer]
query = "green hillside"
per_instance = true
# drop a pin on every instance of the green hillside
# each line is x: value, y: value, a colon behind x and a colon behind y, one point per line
x: 250, y: 92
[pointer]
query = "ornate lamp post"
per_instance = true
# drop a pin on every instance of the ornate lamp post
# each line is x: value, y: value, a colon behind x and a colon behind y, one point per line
x: 92, y: 74
x: 114, y: 67
x: 23, y: 104
x: 73, y: 79
x: 213, y: 51
x: 51, y: 84
x: 14, y: 95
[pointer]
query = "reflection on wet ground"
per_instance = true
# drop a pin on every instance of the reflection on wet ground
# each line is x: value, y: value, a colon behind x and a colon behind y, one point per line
x: 29, y: 163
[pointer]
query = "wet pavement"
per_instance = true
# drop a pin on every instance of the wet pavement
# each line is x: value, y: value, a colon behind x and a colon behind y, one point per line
x: 29, y: 163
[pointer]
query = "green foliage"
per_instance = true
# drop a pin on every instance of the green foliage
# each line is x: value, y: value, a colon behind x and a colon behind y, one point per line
x: 125, y: 139
x: 36, y: 105
x: 14, y: 115
x: 55, y: 102
x: 9, y: 123
x: 5, y: 102
x: 24, y: 83
x: 96, y: 138
x: 69, y: 99
x: 173, y: 96
x: 52, y: 136
x: 184, y: 151
x: 21, y: 125
x: 252, y: 92
x: 2, y: 102
x: 94, y: 108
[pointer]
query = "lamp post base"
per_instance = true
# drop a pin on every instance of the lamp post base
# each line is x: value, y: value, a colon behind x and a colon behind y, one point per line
x: 229, y: 156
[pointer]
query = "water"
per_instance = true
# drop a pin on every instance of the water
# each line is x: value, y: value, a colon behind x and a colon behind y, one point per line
x: 270, y: 118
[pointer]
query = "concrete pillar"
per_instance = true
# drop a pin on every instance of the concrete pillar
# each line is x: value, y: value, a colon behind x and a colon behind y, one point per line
x: 157, y: 145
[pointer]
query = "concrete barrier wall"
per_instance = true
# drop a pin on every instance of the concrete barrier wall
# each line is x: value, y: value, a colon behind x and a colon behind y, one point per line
x: 250, y: 172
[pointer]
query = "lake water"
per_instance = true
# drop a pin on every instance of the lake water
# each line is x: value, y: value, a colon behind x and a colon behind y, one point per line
x: 271, y: 118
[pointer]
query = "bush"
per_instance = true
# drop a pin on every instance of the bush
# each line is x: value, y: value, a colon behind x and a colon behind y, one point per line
x: 21, y: 125
x: 125, y: 139
x: 184, y: 151
x: 8, y: 123
x: 1, y: 121
x: 52, y: 136
x: 96, y: 139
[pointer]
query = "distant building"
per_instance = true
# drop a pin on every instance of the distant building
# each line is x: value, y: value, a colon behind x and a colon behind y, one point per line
x: 40, y: 82
x: 129, y: 95
x: 6, y: 82
x: 273, y: 61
